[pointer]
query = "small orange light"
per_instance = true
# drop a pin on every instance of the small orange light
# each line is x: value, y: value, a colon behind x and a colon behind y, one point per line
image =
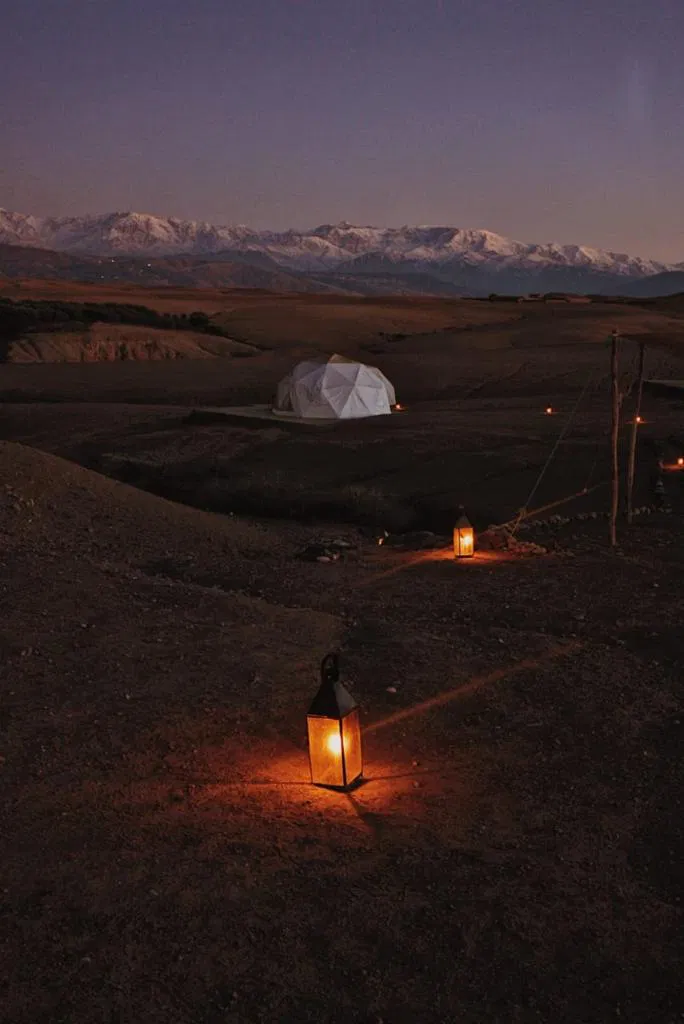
x: 639, y: 419
x: 549, y: 410
x: 680, y: 461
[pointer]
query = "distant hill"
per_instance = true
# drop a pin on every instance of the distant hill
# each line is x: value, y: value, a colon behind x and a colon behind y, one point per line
x: 671, y: 282
x: 222, y: 271
x: 258, y: 271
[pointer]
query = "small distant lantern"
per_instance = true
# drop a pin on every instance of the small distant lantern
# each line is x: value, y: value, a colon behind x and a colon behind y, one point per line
x: 549, y: 410
x: 680, y: 462
x: 464, y: 538
x: 334, y: 732
x: 639, y: 419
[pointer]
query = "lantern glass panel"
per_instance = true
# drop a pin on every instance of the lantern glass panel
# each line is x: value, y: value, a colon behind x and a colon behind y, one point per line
x: 351, y: 739
x: 464, y: 542
x: 325, y: 751
x: 335, y: 750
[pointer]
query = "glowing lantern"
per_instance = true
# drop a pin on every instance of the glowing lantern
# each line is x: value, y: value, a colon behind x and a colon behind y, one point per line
x: 680, y: 462
x: 639, y: 419
x: 549, y: 410
x: 334, y: 732
x: 464, y: 538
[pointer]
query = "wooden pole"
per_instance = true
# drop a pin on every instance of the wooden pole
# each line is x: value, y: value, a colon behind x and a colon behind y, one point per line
x: 614, y: 435
x: 635, y: 429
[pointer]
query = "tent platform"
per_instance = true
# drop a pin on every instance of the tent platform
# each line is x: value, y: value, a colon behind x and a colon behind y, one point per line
x: 261, y: 413
x: 265, y: 414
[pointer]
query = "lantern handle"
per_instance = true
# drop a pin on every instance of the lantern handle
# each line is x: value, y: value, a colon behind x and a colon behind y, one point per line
x: 330, y: 668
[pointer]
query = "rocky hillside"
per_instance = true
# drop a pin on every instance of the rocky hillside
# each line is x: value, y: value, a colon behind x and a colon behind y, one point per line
x: 36, y: 330
x: 114, y: 343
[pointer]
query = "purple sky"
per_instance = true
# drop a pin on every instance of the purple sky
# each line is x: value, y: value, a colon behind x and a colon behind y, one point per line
x: 540, y: 119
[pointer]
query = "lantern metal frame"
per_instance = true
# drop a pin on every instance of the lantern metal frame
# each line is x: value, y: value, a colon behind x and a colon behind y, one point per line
x: 334, y: 703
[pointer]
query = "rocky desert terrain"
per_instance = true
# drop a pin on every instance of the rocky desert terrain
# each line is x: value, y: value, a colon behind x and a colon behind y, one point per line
x: 515, y: 854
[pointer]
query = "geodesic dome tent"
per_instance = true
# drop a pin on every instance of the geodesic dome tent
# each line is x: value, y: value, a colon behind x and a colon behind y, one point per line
x: 334, y: 389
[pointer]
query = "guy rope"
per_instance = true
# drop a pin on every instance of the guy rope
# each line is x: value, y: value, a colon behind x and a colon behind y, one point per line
x: 524, y: 512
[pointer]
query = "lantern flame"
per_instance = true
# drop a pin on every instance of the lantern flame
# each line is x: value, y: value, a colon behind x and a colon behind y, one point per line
x: 334, y: 744
x: 680, y: 461
x: 549, y: 410
x: 639, y: 419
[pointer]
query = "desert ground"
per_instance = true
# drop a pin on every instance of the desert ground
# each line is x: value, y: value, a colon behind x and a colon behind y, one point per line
x: 515, y: 853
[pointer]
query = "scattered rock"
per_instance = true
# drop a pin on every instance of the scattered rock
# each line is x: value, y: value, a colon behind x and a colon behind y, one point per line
x: 500, y: 538
x: 326, y: 550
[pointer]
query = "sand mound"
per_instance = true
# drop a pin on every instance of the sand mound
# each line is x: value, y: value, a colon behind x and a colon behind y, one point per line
x: 104, y: 603
x: 60, y: 505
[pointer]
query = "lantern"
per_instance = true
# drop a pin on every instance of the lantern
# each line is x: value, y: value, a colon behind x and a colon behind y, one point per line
x: 639, y: 420
x: 680, y: 462
x: 549, y: 410
x: 334, y: 732
x: 464, y: 538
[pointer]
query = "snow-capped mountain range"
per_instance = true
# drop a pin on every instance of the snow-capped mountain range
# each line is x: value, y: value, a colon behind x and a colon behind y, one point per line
x: 325, y: 248
x: 342, y: 257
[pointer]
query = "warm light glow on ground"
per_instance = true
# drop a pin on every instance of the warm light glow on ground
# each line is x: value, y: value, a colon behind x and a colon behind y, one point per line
x: 403, y: 560
x: 477, y: 558
x: 470, y: 686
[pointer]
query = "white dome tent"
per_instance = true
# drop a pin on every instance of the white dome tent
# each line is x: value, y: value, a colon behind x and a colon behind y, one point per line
x: 334, y: 389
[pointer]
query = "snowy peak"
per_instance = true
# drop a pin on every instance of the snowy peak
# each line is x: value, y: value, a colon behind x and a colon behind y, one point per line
x: 326, y: 248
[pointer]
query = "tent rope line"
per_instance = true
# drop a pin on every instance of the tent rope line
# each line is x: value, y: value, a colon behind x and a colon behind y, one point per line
x: 552, y: 504
x: 523, y: 512
x: 625, y: 393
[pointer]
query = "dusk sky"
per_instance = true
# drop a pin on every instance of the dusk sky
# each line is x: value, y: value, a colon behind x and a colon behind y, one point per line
x: 541, y: 119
